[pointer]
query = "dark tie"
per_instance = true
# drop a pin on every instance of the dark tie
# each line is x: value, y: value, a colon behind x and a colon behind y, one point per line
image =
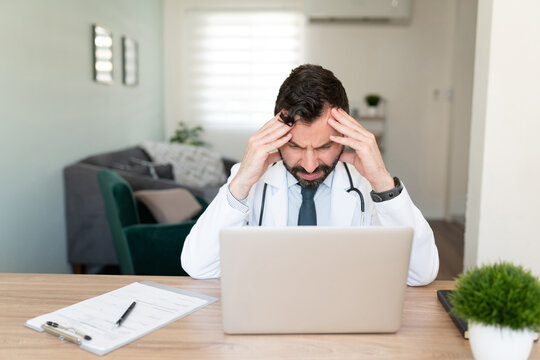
x: 307, y: 214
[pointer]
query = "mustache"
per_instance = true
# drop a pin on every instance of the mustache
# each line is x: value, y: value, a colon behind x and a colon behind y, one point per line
x: 321, y: 167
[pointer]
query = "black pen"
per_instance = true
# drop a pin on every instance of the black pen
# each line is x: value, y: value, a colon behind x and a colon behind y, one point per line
x: 125, y: 315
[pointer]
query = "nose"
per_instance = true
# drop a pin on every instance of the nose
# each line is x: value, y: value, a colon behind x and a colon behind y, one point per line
x: 309, y: 161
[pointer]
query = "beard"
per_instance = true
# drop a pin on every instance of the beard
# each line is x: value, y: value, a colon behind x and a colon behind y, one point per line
x: 325, y: 169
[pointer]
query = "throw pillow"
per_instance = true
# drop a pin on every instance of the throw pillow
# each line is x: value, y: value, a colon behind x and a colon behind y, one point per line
x: 171, y: 206
x: 194, y: 166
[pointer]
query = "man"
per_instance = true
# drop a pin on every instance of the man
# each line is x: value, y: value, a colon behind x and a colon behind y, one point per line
x: 308, y: 181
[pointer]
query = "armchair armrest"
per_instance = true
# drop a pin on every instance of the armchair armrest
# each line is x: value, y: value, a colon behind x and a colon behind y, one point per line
x: 155, y: 249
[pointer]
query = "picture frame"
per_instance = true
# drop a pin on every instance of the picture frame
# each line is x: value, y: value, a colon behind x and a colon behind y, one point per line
x: 130, y: 61
x: 102, y: 40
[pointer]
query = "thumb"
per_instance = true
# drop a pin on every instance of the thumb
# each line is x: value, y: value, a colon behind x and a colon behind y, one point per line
x: 348, y: 157
x: 273, y: 157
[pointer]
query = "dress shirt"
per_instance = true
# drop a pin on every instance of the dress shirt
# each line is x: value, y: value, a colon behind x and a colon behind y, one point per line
x: 294, y: 192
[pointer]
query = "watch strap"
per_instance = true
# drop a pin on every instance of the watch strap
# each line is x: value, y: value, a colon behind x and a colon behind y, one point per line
x: 388, y: 194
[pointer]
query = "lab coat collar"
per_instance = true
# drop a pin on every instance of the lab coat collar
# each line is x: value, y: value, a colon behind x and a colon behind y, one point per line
x: 342, y: 203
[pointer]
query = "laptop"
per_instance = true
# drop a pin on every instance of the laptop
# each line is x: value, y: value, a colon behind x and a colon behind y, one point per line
x: 313, y: 279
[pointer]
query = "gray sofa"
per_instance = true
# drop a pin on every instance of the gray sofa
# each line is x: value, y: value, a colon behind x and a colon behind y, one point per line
x: 89, y: 240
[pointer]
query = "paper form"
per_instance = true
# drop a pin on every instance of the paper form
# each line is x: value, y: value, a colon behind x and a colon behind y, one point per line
x: 97, y: 316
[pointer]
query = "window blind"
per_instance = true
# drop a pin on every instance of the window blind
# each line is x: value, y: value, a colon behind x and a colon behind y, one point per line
x: 235, y: 62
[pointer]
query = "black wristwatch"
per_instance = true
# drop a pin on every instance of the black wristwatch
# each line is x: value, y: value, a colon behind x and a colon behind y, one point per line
x: 388, y: 194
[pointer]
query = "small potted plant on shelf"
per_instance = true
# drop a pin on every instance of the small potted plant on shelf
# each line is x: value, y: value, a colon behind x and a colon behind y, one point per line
x: 372, y: 101
x: 189, y: 136
x: 502, y: 305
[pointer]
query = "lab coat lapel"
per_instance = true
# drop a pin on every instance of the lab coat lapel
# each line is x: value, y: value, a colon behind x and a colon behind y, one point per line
x: 276, y: 207
x: 343, y: 203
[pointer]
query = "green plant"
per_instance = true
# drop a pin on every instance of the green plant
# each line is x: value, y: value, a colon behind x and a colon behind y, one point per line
x: 189, y: 136
x: 500, y: 294
x: 372, y: 99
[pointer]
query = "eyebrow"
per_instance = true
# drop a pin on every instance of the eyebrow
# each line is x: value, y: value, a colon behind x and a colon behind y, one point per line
x: 319, y: 147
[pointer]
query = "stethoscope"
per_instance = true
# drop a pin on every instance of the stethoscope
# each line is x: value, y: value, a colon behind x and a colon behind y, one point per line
x: 352, y: 188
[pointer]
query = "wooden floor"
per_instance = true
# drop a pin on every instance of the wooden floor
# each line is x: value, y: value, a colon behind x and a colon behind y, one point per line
x: 449, y: 239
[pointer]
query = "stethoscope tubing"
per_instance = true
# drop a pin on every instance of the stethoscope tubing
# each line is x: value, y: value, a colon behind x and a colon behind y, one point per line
x: 352, y: 188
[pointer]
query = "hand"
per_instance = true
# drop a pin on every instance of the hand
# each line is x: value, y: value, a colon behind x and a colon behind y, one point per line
x: 367, y: 157
x: 257, y: 156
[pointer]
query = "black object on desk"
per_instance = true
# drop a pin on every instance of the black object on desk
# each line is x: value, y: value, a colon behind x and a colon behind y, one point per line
x: 126, y: 313
x: 443, y: 296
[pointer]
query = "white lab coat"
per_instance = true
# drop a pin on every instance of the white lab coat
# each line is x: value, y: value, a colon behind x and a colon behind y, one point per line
x: 200, y: 255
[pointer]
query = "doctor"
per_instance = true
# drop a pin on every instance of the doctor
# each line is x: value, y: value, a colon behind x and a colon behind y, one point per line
x: 310, y: 180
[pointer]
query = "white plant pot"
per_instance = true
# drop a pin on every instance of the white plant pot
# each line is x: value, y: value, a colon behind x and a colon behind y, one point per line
x: 498, y: 343
x: 372, y: 110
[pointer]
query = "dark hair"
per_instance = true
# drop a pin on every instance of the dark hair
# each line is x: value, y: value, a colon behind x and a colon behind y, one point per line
x: 306, y: 91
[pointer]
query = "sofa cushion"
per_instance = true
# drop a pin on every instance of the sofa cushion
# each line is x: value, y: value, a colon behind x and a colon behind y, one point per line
x: 117, y: 157
x: 171, y: 206
x: 193, y: 166
x: 162, y: 171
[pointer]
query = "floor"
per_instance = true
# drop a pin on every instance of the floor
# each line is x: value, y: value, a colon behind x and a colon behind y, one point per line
x: 449, y: 238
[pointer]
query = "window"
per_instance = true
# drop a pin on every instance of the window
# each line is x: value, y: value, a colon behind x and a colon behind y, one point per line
x: 235, y: 62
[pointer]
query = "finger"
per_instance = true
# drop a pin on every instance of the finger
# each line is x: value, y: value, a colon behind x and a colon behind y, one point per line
x: 347, y: 131
x: 342, y: 117
x: 348, y: 157
x: 274, y: 123
x: 270, y: 122
x: 277, y: 143
x: 273, y: 133
x: 353, y: 144
x: 274, y: 157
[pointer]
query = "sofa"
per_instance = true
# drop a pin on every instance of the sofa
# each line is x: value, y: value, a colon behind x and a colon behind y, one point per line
x: 89, y: 240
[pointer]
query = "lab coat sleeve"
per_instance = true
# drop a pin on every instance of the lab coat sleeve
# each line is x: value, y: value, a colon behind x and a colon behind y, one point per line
x: 400, y: 211
x: 200, y: 254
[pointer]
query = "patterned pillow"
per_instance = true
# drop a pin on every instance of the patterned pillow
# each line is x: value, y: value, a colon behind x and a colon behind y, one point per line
x: 192, y: 165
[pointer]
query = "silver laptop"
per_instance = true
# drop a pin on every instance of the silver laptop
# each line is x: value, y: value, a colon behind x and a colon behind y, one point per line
x: 313, y: 279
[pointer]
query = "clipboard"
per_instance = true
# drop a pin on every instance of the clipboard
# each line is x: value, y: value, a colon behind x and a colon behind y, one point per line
x: 91, y: 323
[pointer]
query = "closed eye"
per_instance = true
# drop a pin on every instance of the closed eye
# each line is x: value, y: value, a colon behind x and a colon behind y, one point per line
x: 294, y: 146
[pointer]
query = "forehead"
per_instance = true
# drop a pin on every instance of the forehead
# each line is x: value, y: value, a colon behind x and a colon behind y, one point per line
x: 315, y: 134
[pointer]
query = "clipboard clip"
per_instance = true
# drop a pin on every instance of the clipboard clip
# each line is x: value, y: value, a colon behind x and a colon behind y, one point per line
x: 65, y: 333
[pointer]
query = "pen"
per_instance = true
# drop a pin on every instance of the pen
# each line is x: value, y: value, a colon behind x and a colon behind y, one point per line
x: 125, y: 315
x: 65, y: 333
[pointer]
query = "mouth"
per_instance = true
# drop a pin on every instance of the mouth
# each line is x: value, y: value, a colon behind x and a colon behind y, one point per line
x: 311, y: 176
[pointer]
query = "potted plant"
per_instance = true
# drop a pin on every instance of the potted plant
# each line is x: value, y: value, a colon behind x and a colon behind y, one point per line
x: 188, y: 136
x: 372, y: 101
x: 502, y: 305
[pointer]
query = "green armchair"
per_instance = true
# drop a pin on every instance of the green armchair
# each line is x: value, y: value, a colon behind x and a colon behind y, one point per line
x: 142, y: 249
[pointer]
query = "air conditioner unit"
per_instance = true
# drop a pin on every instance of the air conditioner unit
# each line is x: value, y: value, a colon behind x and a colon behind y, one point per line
x: 358, y: 9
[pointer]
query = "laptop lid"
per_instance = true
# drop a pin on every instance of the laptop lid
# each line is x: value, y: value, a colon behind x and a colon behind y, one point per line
x: 313, y: 279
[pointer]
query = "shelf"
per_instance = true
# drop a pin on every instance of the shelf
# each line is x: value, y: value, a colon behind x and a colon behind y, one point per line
x: 369, y: 118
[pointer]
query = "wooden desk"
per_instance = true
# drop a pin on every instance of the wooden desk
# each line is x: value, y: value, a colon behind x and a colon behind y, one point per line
x: 427, y: 331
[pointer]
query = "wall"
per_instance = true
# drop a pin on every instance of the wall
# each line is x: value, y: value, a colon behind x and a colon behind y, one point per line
x: 460, y: 114
x: 410, y: 65
x: 52, y: 113
x: 502, y: 207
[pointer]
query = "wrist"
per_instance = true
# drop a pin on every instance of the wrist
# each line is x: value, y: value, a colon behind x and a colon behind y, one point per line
x: 238, y: 189
x: 385, y: 183
x: 388, y: 194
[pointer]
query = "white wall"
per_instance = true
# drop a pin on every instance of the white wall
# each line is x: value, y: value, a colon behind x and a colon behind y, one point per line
x: 52, y: 113
x: 503, y: 213
x: 460, y: 114
x: 410, y: 65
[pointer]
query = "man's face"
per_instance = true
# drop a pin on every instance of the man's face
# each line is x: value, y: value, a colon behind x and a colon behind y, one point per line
x: 310, y: 155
